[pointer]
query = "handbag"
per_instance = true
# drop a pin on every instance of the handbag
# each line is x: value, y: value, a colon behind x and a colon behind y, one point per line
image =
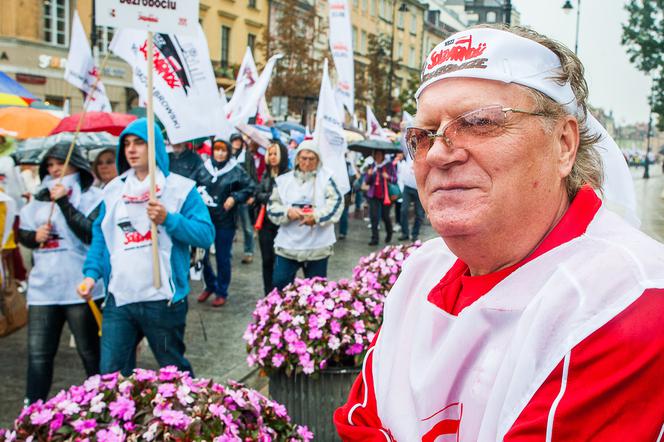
x: 13, y: 308
x: 260, y: 219
x: 394, y: 191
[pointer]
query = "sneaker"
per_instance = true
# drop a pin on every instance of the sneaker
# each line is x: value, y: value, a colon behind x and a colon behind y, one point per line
x: 373, y: 242
x: 218, y: 301
x: 403, y: 238
x: 248, y: 259
x: 205, y: 294
x: 342, y: 237
x: 388, y: 238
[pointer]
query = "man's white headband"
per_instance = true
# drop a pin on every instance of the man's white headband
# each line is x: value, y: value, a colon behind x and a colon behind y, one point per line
x: 492, y: 54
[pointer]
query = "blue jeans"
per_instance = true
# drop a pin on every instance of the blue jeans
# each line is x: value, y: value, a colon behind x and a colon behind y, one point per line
x: 343, y: 222
x: 410, y: 196
x: 247, y: 228
x: 161, y: 323
x: 285, y: 270
x: 223, y: 243
x: 45, y: 323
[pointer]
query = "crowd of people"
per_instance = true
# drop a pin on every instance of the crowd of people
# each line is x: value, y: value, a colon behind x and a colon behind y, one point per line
x: 89, y: 229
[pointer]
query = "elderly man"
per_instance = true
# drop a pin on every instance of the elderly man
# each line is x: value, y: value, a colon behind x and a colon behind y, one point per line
x: 305, y: 203
x: 536, y: 314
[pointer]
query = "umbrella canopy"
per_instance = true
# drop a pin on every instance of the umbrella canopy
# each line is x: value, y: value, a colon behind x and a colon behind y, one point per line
x: 9, y: 86
x: 365, y: 147
x: 287, y: 126
x: 111, y: 122
x: 27, y: 122
x: 353, y: 136
x: 12, y: 100
x: 30, y: 151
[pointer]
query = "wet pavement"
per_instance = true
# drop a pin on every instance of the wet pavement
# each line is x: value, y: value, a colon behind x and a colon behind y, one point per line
x: 214, y: 336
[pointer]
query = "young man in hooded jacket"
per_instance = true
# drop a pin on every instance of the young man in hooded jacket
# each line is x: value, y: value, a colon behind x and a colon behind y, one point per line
x: 121, y: 253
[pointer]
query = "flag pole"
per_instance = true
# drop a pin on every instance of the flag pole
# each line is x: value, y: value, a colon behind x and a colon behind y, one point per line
x: 86, y: 103
x: 152, y: 163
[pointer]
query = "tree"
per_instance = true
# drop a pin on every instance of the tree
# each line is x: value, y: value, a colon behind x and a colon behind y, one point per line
x: 643, y: 37
x: 298, y: 74
x: 378, y: 73
x: 407, y: 95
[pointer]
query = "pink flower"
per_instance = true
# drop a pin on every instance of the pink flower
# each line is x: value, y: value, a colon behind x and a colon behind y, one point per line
x: 42, y: 416
x: 168, y: 373
x: 167, y: 390
x: 335, y: 326
x: 340, y: 312
x: 56, y: 423
x: 278, y: 359
x: 175, y: 419
x: 112, y: 434
x: 218, y: 410
x: 290, y: 336
x: 122, y: 408
x: 143, y: 375
x: 82, y: 426
x: 355, y: 349
x: 305, y: 434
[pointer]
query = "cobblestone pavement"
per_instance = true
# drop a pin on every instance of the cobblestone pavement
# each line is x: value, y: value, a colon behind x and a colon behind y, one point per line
x: 214, y: 336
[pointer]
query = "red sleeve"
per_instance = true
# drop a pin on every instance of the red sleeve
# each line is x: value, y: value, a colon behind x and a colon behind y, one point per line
x: 613, y: 389
x: 357, y: 420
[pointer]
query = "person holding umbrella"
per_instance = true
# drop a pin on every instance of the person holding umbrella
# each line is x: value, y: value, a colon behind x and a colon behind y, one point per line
x: 59, y: 236
x: 378, y: 176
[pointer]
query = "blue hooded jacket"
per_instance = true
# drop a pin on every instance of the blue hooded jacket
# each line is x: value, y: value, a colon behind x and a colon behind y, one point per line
x: 190, y: 227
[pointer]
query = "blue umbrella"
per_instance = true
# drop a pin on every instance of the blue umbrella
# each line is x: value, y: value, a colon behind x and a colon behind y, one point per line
x: 11, y: 87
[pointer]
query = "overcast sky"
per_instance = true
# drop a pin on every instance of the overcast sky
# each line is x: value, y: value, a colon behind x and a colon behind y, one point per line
x: 614, y: 82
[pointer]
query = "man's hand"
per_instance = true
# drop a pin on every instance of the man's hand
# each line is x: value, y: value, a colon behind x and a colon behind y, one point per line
x: 294, y: 213
x: 229, y: 203
x: 308, y: 220
x: 84, y: 289
x: 42, y: 233
x: 250, y: 200
x: 58, y: 191
x: 156, y: 212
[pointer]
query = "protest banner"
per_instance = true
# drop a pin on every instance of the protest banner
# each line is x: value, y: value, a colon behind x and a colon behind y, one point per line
x: 329, y: 133
x: 341, y: 46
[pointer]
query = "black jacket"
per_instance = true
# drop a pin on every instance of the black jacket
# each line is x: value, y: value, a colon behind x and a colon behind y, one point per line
x: 235, y: 183
x: 79, y: 224
x: 185, y: 164
x: 267, y: 184
x: 248, y: 164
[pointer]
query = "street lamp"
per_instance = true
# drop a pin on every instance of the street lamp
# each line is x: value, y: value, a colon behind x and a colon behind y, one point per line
x: 402, y: 8
x: 567, y: 7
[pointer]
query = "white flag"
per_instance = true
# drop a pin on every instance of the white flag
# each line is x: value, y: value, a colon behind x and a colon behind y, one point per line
x: 225, y: 129
x: 186, y: 98
x: 247, y: 77
x: 329, y: 134
x: 81, y: 70
x: 341, y: 46
x: 250, y: 98
x: 374, y: 129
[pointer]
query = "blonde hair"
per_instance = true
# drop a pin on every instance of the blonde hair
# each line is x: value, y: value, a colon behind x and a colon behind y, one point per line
x: 587, y: 168
x: 278, y: 152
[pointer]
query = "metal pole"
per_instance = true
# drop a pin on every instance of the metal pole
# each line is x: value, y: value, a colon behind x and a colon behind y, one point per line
x: 646, y: 170
x: 508, y: 12
x: 93, y: 27
x: 578, y: 20
x: 389, y: 79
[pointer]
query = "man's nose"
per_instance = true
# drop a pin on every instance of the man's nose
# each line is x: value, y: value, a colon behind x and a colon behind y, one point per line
x: 441, y: 155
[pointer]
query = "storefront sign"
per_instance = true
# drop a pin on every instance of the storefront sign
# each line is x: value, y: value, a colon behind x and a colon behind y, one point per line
x: 163, y: 16
x: 46, y: 61
x: 30, y: 79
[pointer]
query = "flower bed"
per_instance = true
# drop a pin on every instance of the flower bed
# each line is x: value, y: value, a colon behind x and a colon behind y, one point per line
x: 316, y: 323
x: 155, y: 406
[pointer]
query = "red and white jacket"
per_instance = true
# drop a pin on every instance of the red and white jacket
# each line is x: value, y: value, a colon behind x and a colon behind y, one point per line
x: 565, y: 345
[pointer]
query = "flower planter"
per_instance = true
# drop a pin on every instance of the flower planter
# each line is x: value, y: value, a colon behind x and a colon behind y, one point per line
x: 311, y: 400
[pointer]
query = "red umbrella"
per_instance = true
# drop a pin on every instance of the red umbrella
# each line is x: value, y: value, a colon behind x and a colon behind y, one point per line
x: 111, y: 122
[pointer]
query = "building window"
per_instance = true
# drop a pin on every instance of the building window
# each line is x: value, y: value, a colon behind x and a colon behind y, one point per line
x: 400, y: 52
x: 56, y: 21
x: 413, y: 23
x: 225, y: 44
x: 365, y: 6
x: 252, y: 4
x: 355, y: 38
x: 251, y: 42
x: 104, y: 38
x: 400, y: 19
x: 374, y: 7
x: 363, y: 43
x: 491, y: 17
x: 411, y: 58
x: 356, y: 4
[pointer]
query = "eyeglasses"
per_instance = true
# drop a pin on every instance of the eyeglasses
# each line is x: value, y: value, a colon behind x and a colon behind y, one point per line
x: 468, y: 129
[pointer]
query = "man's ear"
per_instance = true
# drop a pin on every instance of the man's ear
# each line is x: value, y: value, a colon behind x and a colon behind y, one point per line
x: 567, y: 137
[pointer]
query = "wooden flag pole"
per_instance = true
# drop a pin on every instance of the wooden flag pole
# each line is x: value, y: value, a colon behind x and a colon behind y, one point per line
x: 86, y: 103
x: 152, y: 163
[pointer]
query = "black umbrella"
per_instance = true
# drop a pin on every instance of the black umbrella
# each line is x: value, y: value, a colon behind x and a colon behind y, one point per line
x: 365, y: 147
x: 288, y: 126
x: 31, y: 150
